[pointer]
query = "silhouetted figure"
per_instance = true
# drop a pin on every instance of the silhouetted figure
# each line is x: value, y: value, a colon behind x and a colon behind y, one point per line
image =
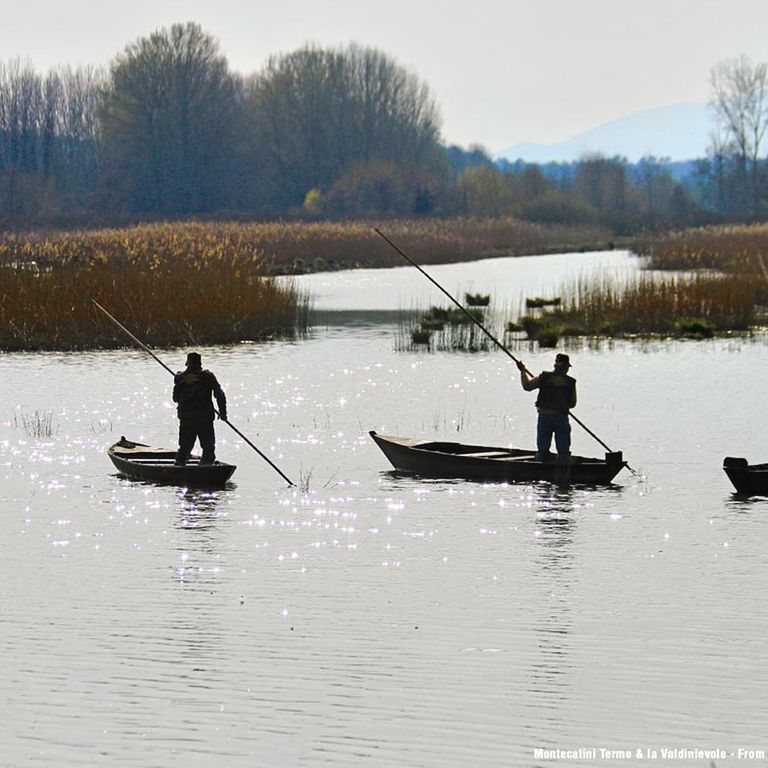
x: 557, y: 395
x: 192, y: 390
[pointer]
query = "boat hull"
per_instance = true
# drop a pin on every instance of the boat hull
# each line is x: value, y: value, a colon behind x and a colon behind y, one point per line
x: 748, y: 479
x: 489, y: 464
x: 156, y: 465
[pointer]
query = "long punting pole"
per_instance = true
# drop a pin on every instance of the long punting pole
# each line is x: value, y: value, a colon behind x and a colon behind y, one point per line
x: 226, y: 421
x: 481, y: 327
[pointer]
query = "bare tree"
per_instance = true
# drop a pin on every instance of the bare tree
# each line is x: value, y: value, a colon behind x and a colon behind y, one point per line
x: 21, y: 121
x: 740, y: 102
x: 77, y: 161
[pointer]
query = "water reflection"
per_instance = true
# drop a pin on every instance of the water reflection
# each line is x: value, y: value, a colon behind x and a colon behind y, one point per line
x: 200, y: 516
x: 739, y: 502
x: 549, y: 675
x: 556, y: 524
x: 199, y: 509
x: 393, y: 479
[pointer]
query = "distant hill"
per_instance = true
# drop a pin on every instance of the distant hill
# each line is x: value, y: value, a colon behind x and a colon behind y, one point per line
x: 679, y: 132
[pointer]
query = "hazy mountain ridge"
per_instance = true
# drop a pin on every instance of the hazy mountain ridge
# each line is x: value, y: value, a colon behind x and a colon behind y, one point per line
x: 679, y: 132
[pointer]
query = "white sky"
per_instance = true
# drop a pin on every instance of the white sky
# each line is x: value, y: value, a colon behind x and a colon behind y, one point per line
x: 502, y: 71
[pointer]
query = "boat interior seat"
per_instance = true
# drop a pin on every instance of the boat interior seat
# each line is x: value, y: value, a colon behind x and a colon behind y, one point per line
x: 487, y: 454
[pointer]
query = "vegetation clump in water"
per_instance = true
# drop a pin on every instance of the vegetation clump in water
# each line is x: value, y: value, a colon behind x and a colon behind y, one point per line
x: 477, y: 299
x: 445, y: 329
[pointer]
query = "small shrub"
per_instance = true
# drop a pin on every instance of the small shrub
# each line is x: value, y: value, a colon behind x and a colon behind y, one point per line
x: 531, y: 324
x: 457, y: 317
x: 695, y: 328
x: 549, y: 335
x: 438, y: 313
x: 421, y: 336
x: 574, y: 328
x: 477, y: 299
x: 538, y: 302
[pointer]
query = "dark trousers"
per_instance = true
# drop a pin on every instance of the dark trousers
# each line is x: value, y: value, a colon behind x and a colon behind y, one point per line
x: 556, y: 424
x: 196, y: 427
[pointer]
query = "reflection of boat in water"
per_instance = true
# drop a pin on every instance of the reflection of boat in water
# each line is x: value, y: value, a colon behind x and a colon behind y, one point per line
x: 439, y: 459
x: 142, y: 462
x: 749, y: 479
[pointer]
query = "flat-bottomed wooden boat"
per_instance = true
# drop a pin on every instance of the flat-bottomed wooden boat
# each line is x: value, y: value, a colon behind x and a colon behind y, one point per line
x: 156, y: 465
x: 430, y: 458
x: 748, y: 479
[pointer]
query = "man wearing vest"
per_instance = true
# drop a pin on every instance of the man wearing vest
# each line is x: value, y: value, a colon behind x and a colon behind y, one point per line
x: 557, y: 395
x: 192, y: 390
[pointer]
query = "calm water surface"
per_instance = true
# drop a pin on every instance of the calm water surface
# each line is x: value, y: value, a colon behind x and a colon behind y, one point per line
x: 370, y: 619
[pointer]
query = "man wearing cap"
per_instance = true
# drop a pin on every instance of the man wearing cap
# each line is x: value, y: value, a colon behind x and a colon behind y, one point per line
x: 557, y: 395
x: 192, y: 390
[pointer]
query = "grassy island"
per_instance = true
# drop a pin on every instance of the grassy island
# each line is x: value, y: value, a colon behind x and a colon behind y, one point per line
x: 696, y: 284
x: 717, y: 283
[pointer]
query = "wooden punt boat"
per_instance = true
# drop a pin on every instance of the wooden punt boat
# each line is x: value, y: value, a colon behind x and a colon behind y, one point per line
x: 430, y: 458
x: 142, y: 462
x: 748, y: 479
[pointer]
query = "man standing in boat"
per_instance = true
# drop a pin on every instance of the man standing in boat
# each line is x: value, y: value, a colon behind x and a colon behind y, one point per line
x: 557, y: 395
x: 192, y: 390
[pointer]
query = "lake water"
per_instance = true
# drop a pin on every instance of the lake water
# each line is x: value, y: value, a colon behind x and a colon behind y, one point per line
x: 367, y: 619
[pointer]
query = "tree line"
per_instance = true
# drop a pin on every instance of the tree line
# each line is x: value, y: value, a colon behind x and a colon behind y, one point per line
x: 169, y: 130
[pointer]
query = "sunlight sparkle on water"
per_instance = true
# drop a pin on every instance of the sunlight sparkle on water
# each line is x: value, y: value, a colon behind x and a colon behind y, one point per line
x: 181, y: 596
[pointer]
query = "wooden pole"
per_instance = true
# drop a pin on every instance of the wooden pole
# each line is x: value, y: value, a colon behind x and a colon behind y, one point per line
x: 482, y: 328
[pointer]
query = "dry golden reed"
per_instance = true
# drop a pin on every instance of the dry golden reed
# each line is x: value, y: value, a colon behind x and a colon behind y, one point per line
x: 171, y: 284
x: 649, y: 304
x: 302, y: 246
x: 194, y: 282
x: 738, y: 249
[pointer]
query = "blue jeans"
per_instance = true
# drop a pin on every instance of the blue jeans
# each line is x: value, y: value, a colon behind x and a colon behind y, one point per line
x: 556, y: 424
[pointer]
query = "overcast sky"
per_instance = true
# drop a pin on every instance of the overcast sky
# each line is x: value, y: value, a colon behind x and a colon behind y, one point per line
x: 502, y: 71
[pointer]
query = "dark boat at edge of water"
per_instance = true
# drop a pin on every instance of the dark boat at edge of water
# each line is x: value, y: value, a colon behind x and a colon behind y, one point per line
x: 143, y: 462
x: 439, y: 459
x: 748, y: 479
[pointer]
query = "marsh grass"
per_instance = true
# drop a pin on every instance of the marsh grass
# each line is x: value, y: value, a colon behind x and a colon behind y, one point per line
x: 440, y: 422
x: 305, y: 479
x: 723, y: 286
x: 39, y: 424
x: 693, y: 305
x: 171, y: 284
x: 729, y: 249
x: 297, y: 247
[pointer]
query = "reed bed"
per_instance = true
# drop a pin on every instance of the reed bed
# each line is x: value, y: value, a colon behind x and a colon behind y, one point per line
x: 170, y: 284
x: 731, y: 249
x: 696, y: 304
x: 298, y: 247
